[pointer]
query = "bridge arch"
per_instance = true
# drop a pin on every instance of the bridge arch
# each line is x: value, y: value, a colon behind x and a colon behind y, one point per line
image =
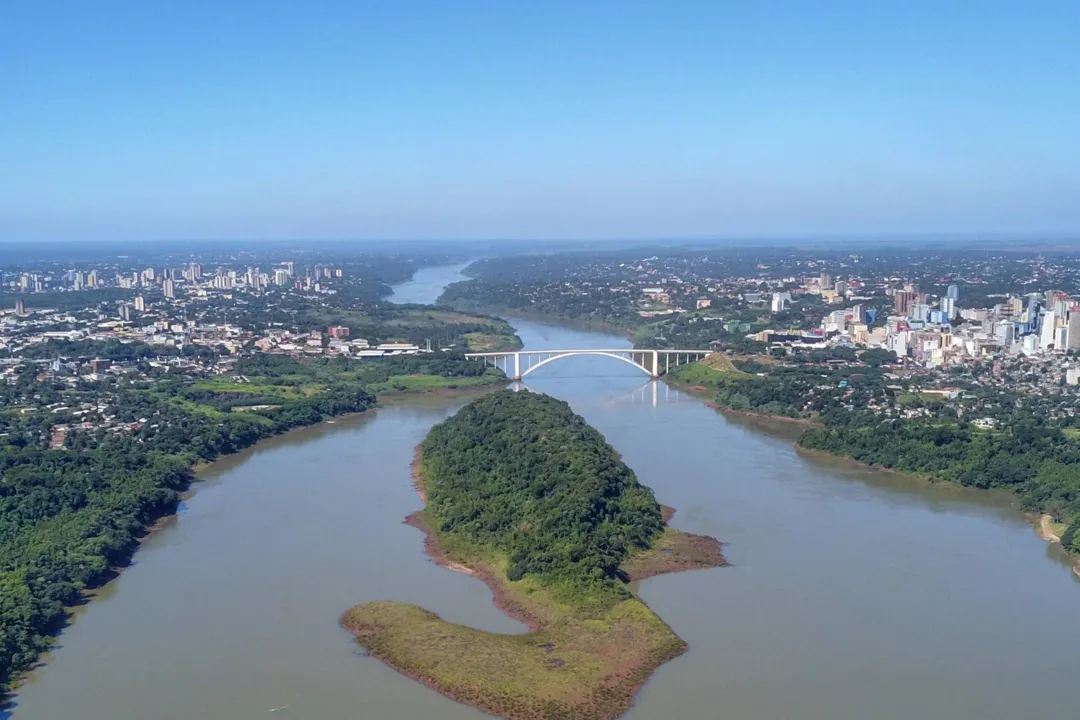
x: 571, y: 353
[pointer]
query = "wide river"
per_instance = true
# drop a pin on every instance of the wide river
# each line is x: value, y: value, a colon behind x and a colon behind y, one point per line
x: 852, y: 594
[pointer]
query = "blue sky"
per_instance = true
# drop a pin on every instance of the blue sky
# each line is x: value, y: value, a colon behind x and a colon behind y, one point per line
x: 531, y: 119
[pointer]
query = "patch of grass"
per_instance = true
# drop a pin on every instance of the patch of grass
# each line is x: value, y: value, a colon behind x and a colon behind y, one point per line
x: 917, y: 398
x: 227, y: 386
x: 251, y: 413
x: 674, y: 550
x: 194, y: 407
x: 447, y: 317
x: 587, y: 653
x: 710, y: 372
x: 425, y: 383
x: 720, y: 362
x: 484, y: 342
x: 260, y: 387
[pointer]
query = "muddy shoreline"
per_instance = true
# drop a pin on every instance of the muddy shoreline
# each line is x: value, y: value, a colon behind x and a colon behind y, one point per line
x: 706, y: 395
x: 1039, y: 522
x: 420, y: 521
x: 627, y: 677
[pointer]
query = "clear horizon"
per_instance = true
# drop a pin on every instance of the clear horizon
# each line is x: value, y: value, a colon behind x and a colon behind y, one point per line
x: 693, y: 121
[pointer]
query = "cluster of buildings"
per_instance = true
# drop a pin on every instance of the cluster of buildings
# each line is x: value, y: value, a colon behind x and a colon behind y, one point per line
x: 936, y: 330
x: 19, y: 332
x: 335, y: 342
x: 176, y: 281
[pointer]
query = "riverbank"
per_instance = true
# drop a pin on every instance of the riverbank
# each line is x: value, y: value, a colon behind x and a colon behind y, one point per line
x: 852, y: 462
x: 1043, y: 524
x: 707, y: 395
x: 585, y: 655
x: 1051, y: 532
x: 1045, y: 527
x: 12, y: 678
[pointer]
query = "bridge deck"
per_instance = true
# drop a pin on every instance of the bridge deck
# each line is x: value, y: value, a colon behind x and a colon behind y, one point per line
x: 580, y: 351
x: 645, y: 359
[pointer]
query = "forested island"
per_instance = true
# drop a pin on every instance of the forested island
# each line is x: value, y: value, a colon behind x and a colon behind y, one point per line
x: 865, y: 413
x: 73, y: 506
x: 523, y: 494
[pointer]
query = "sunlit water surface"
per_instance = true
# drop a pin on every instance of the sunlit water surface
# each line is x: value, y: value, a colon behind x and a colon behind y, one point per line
x: 852, y: 594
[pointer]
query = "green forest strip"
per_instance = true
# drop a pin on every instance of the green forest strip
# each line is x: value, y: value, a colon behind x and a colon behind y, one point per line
x: 524, y: 495
x: 1036, y: 459
x: 70, y: 516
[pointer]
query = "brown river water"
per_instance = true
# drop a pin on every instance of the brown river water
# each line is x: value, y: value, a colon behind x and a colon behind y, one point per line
x: 852, y: 594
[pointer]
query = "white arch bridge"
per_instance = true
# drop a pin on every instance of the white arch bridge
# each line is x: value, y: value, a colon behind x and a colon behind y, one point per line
x: 654, y: 363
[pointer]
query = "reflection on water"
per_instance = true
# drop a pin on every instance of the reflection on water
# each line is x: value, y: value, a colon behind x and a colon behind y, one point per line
x: 853, y: 594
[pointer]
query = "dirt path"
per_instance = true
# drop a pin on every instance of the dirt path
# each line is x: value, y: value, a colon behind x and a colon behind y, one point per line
x: 1046, y: 531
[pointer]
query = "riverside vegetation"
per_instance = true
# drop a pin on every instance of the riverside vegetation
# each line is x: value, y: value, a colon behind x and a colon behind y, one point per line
x: 860, y: 414
x: 522, y: 493
x: 70, y: 515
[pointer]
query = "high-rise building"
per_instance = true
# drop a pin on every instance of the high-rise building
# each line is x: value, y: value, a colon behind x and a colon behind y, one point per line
x: 281, y: 276
x: 1004, y: 332
x: 902, y: 301
x: 140, y: 304
x: 1034, y: 302
x: 953, y: 293
x: 898, y: 343
x: 840, y: 287
x: 780, y: 301
x: 169, y: 288
x: 20, y: 307
x: 825, y: 281
x: 1073, y: 335
x: 1047, y: 336
x: 91, y: 279
x: 125, y: 312
x: 78, y: 281
x: 1052, y: 296
x: 948, y: 307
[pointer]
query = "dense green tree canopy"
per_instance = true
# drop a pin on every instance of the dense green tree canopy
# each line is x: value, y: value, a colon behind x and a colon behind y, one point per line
x: 524, y: 473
